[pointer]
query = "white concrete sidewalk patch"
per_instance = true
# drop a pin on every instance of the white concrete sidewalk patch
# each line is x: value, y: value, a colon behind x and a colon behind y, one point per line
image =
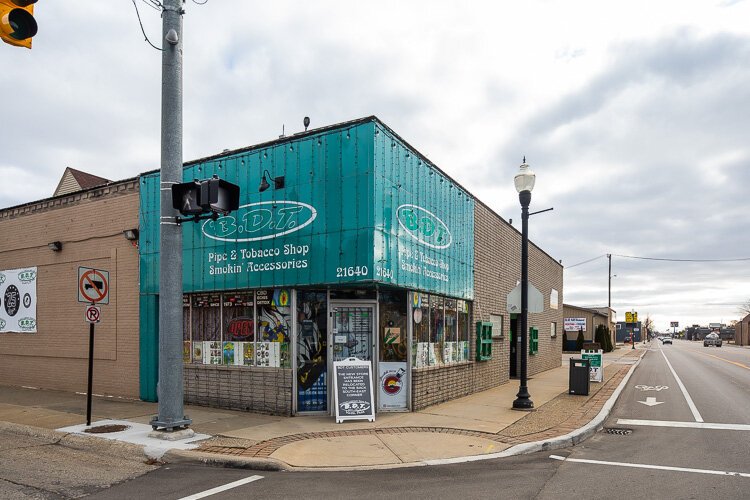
x: 138, y: 434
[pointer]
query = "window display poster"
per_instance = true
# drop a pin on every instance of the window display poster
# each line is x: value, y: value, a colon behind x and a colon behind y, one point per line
x: 422, y: 356
x: 18, y: 299
x: 392, y: 378
x: 212, y: 352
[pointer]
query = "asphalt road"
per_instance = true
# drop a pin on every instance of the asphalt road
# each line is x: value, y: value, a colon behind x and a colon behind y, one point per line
x: 36, y: 466
x: 674, y: 449
x: 686, y: 434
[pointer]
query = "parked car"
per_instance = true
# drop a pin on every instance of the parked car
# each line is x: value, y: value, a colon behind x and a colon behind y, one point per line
x: 712, y: 339
x: 666, y: 340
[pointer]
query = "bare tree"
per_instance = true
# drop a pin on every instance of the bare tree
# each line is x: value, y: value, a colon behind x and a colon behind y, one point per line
x: 647, y: 327
x: 745, y: 307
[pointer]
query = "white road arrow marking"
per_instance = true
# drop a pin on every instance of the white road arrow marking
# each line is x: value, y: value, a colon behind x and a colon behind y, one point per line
x: 651, y: 402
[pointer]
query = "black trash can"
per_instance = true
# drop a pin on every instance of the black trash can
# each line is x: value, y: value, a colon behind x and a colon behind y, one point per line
x: 579, y: 377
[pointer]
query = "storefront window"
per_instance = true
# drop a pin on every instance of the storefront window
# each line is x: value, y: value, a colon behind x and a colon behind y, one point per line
x: 450, y: 343
x: 463, y: 330
x: 274, y: 327
x: 440, y: 330
x: 420, y: 311
x: 393, y: 326
x: 239, y: 332
x: 206, y: 328
x: 233, y: 328
x: 186, y: 343
x: 437, y: 330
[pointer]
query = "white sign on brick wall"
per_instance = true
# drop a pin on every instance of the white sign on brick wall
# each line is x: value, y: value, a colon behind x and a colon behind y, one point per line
x: 18, y: 299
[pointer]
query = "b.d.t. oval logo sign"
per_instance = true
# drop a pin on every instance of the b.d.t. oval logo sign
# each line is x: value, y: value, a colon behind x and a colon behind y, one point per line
x: 424, y: 226
x: 261, y: 221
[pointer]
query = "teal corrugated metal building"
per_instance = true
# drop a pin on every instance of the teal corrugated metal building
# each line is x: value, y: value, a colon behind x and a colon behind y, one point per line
x: 361, y: 215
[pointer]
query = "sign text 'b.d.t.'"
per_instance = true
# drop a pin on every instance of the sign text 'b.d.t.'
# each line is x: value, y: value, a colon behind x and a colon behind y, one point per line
x: 93, y: 286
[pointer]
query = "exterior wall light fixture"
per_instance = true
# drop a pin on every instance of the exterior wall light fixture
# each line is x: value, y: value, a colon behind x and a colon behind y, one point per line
x: 278, y: 182
x: 55, y: 246
x: 131, y: 234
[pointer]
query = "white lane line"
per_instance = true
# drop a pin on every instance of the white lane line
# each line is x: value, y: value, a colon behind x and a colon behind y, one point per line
x: 684, y: 425
x: 219, y: 489
x: 649, y: 466
x: 696, y: 415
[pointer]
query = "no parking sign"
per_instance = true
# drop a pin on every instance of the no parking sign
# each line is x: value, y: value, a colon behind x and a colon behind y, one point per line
x: 93, y: 314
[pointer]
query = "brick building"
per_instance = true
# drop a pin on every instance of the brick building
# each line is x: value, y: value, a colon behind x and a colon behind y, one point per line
x: 50, y: 240
x: 742, y: 331
x: 361, y: 248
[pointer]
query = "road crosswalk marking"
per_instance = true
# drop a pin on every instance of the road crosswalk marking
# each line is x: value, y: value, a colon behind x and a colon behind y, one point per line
x: 650, y: 466
x: 684, y: 425
x: 224, y: 487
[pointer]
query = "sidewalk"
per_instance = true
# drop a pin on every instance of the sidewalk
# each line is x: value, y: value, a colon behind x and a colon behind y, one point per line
x: 481, y: 425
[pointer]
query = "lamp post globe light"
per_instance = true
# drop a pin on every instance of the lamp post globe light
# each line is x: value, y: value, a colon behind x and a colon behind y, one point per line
x: 524, y: 181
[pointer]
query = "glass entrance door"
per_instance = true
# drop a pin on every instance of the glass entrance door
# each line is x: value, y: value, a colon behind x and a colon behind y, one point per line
x: 352, y: 331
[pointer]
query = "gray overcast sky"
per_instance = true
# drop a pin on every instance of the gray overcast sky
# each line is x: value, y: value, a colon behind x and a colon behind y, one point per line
x: 633, y: 114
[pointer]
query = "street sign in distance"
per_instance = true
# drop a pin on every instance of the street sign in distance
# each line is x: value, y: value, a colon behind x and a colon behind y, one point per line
x: 535, y: 298
x: 631, y: 317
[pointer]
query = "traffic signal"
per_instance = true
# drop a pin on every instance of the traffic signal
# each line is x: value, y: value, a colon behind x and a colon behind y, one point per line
x: 186, y: 197
x: 211, y: 195
x: 17, y: 23
x: 219, y: 196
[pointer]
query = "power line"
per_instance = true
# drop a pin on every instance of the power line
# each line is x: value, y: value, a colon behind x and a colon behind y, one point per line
x: 585, y: 261
x: 681, y: 260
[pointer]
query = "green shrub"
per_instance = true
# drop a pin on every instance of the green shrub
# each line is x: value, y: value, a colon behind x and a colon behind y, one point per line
x: 579, y: 340
x: 565, y: 341
x: 603, y: 338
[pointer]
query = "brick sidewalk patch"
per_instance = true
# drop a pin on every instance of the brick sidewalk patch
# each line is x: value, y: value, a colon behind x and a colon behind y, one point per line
x: 580, y: 417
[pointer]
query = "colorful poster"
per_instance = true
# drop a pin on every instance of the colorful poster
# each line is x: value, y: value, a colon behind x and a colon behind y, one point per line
x: 212, y: 352
x: 392, y: 378
x: 186, y: 348
x: 422, y: 355
x: 268, y: 354
x: 18, y: 299
x: 232, y: 353
x: 198, y: 352
x: 248, y: 353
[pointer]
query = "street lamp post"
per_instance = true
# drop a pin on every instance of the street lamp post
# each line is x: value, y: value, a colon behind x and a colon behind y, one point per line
x: 524, y: 181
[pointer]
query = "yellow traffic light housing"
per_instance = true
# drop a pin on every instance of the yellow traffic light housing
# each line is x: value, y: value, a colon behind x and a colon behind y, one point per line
x: 17, y: 23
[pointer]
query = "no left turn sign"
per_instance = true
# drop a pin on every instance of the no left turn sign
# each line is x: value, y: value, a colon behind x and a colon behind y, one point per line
x: 93, y: 314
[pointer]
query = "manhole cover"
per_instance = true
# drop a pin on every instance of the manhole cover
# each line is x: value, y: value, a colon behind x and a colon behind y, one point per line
x: 103, y: 429
x: 618, y: 431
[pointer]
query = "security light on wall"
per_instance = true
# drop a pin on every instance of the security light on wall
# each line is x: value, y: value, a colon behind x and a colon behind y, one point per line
x: 131, y: 234
x: 55, y: 246
x: 278, y: 182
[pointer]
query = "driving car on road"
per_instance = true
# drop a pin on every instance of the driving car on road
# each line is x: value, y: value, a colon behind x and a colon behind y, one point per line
x: 712, y: 339
x: 666, y: 340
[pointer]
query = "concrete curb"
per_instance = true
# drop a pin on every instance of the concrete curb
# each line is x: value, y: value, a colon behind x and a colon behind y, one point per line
x: 98, y: 445
x: 211, y: 459
x: 571, y: 439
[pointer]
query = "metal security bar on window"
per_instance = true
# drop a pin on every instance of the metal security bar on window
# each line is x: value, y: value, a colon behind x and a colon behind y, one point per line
x: 533, y: 340
x: 484, y: 340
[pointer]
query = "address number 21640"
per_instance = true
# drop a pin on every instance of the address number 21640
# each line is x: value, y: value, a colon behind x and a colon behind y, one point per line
x: 348, y: 272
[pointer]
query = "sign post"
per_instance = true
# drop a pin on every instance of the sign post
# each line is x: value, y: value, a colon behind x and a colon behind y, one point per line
x: 353, y: 396
x: 93, y: 316
x: 93, y: 288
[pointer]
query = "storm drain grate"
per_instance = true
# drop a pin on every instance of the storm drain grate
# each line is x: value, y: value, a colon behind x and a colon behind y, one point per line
x: 102, y: 429
x: 618, y: 431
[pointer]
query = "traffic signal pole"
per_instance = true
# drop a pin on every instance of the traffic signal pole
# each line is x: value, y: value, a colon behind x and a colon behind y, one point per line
x: 170, y: 387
